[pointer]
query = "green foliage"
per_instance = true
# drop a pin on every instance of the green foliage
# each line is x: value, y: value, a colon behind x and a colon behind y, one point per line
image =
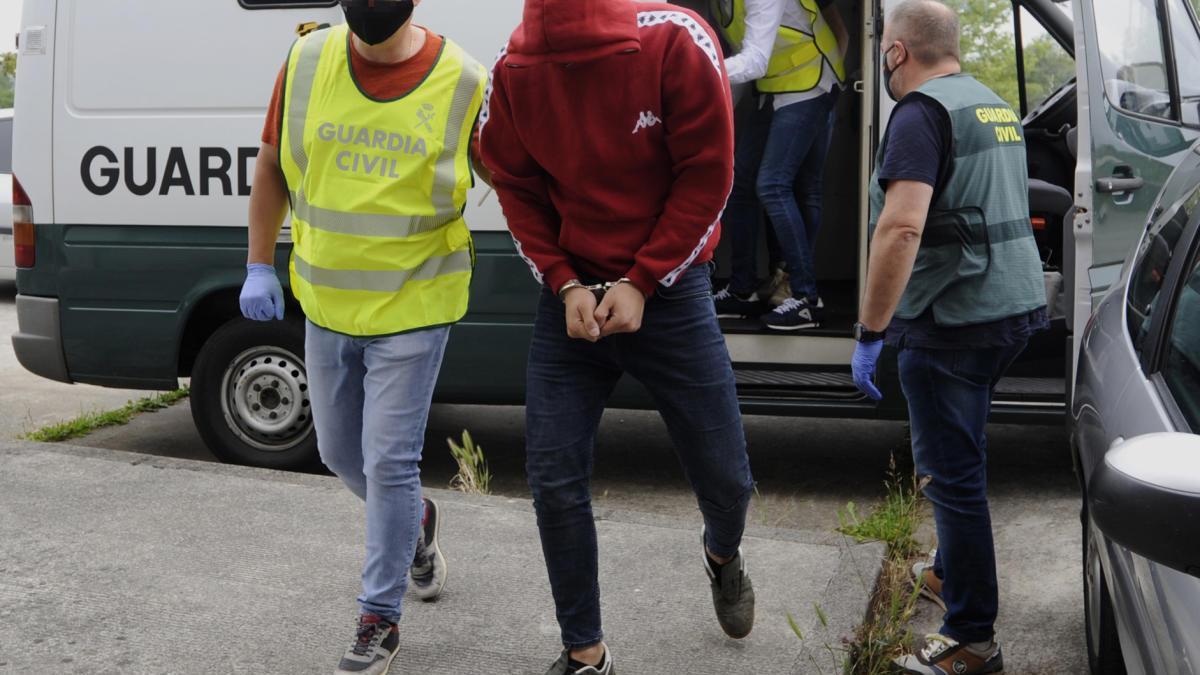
x: 989, y: 53
x: 894, y: 522
x: 8, y: 77
x: 473, y: 475
x: 87, y: 423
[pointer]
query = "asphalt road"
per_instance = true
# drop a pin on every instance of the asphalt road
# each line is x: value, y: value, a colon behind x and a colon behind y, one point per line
x: 807, y: 470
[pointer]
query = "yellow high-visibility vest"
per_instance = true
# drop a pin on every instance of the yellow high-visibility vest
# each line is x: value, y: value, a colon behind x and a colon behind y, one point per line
x: 378, y: 189
x: 798, y: 59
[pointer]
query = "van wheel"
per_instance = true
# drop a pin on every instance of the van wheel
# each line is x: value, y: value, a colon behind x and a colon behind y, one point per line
x: 250, y: 395
x: 1103, y: 642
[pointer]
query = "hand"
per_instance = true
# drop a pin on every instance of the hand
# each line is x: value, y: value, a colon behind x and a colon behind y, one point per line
x: 866, y: 355
x: 262, y: 295
x: 580, y: 309
x: 621, y: 310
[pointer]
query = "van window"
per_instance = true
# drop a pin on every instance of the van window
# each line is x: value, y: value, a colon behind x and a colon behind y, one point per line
x: 1187, y: 56
x: 6, y: 127
x: 1150, y: 267
x: 1181, y: 365
x: 1135, y: 71
x: 1047, y: 65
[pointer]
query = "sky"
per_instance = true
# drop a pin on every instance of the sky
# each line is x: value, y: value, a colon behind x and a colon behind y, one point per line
x: 10, y: 19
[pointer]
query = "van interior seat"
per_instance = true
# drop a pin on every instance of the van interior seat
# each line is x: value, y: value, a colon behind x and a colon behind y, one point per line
x: 1048, y: 198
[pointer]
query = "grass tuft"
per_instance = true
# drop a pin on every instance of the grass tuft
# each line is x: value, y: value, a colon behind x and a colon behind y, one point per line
x: 473, y: 475
x: 89, y: 422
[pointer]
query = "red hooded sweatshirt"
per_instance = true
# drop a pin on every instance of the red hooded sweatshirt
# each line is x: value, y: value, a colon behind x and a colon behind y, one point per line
x: 609, y: 134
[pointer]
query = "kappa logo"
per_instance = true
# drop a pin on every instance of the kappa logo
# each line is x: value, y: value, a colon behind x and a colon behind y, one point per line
x: 646, y: 120
x: 425, y: 116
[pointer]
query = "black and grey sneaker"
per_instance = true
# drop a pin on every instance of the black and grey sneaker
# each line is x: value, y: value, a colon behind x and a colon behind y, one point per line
x: 374, y: 647
x: 730, y: 305
x: 793, y: 314
x: 732, y: 593
x: 565, y: 665
x: 428, y: 571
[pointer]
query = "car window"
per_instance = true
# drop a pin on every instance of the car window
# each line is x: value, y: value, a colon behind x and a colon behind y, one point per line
x: 1150, y: 266
x: 1187, y: 55
x: 1181, y: 363
x: 1135, y: 71
x: 1047, y: 65
x: 277, y: 4
x: 989, y: 50
x: 6, y: 127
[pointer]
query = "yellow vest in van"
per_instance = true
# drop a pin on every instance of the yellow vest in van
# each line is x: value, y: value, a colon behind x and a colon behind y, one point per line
x: 377, y: 190
x: 798, y: 60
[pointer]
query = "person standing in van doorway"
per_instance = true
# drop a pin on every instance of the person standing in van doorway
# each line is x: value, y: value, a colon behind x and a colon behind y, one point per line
x: 955, y: 279
x: 368, y: 138
x: 793, y: 52
x: 613, y: 192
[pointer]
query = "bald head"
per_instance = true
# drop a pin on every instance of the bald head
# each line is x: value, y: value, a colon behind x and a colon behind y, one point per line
x: 928, y: 29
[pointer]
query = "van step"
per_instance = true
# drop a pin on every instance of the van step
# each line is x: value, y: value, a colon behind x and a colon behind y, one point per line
x: 1054, y: 388
x: 792, y: 378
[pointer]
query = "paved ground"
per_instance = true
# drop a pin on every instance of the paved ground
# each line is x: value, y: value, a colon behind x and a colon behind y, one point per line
x: 807, y: 470
x: 28, y: 402
x: 122, y: 563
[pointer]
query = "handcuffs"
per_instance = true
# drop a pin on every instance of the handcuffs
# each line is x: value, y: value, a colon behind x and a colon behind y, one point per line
x: 598, y: 290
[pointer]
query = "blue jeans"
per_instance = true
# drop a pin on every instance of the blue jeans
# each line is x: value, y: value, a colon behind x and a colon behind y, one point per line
x: 370, y: 401
x: 949, y: 396
x: 780, y: 158
x: 679, y: 355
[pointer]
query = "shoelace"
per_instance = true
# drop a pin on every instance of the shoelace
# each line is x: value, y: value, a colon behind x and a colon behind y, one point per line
x: 723, y: 294
x: 935, y: 644
x: 789, y: 305
x: 368, y: 636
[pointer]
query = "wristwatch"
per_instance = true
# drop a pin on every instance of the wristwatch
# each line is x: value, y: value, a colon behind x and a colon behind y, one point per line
x: 864, y: 334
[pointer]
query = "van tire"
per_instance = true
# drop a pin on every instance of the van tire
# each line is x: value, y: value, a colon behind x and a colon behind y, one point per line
x: 249, y: 395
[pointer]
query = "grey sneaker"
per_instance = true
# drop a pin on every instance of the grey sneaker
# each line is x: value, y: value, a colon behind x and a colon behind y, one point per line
x: 374, y: 647
x: 732, y: 593
x: 941, y: 655
x: 563, y: 665
x: 427, y: 575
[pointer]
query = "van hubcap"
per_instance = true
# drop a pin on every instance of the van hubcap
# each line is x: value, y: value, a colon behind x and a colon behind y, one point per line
x: 264, y: 395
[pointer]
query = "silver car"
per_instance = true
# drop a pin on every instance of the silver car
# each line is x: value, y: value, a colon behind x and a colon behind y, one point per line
x: 1136, y: 413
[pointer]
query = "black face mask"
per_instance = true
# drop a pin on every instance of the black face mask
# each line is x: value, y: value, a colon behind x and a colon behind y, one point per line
x: 375, y: 24
x: 887, y: 76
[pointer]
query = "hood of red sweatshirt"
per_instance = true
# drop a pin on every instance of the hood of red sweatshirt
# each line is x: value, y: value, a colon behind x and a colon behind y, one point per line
x: 573, y: 31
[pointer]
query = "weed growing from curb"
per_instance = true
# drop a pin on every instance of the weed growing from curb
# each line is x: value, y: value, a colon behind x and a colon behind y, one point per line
x: 473, y: 475
x: 89, y: 422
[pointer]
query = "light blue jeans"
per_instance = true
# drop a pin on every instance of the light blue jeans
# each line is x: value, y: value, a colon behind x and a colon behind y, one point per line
x: 370, y: 401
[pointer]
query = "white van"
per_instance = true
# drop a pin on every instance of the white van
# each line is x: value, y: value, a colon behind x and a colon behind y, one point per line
x: 137, y: 126
x: 8, y: 269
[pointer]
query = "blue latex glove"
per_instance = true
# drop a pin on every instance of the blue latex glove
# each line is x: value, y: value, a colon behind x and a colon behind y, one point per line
x: 866, y: 355
x: 262, y: 294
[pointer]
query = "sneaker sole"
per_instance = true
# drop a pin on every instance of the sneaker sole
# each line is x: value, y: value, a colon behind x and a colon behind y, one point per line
x: 437, y: 551
x: 387, y: 665
x: 788, y: 328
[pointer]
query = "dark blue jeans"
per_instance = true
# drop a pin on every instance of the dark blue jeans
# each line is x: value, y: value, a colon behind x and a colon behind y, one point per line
x: 679, y: 355
x: 778, y: 167
x: 949, y: 396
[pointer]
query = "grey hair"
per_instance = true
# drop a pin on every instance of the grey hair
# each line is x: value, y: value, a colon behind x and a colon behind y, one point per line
x: 928, y: 28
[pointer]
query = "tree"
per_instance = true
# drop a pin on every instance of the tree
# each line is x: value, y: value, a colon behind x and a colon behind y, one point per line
x: 8, y: 74
x: 8, y: 64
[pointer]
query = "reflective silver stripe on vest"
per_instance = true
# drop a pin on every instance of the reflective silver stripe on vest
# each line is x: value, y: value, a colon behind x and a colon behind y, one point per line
x: 386, y: 281
x: 445, y: 175
x: 304, y: 74
x: 367, y: 224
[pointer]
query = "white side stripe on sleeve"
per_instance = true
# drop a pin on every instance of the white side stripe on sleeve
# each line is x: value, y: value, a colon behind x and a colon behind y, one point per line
x: 693, y: 27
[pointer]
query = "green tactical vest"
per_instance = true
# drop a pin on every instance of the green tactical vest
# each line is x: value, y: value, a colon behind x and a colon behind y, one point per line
x: 978, y: 261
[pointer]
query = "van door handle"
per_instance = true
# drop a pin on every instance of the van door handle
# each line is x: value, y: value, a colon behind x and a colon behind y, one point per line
x: 1114, y: 185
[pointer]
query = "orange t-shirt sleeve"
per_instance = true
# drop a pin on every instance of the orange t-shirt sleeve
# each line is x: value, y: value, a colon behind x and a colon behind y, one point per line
x: 270, y: 133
